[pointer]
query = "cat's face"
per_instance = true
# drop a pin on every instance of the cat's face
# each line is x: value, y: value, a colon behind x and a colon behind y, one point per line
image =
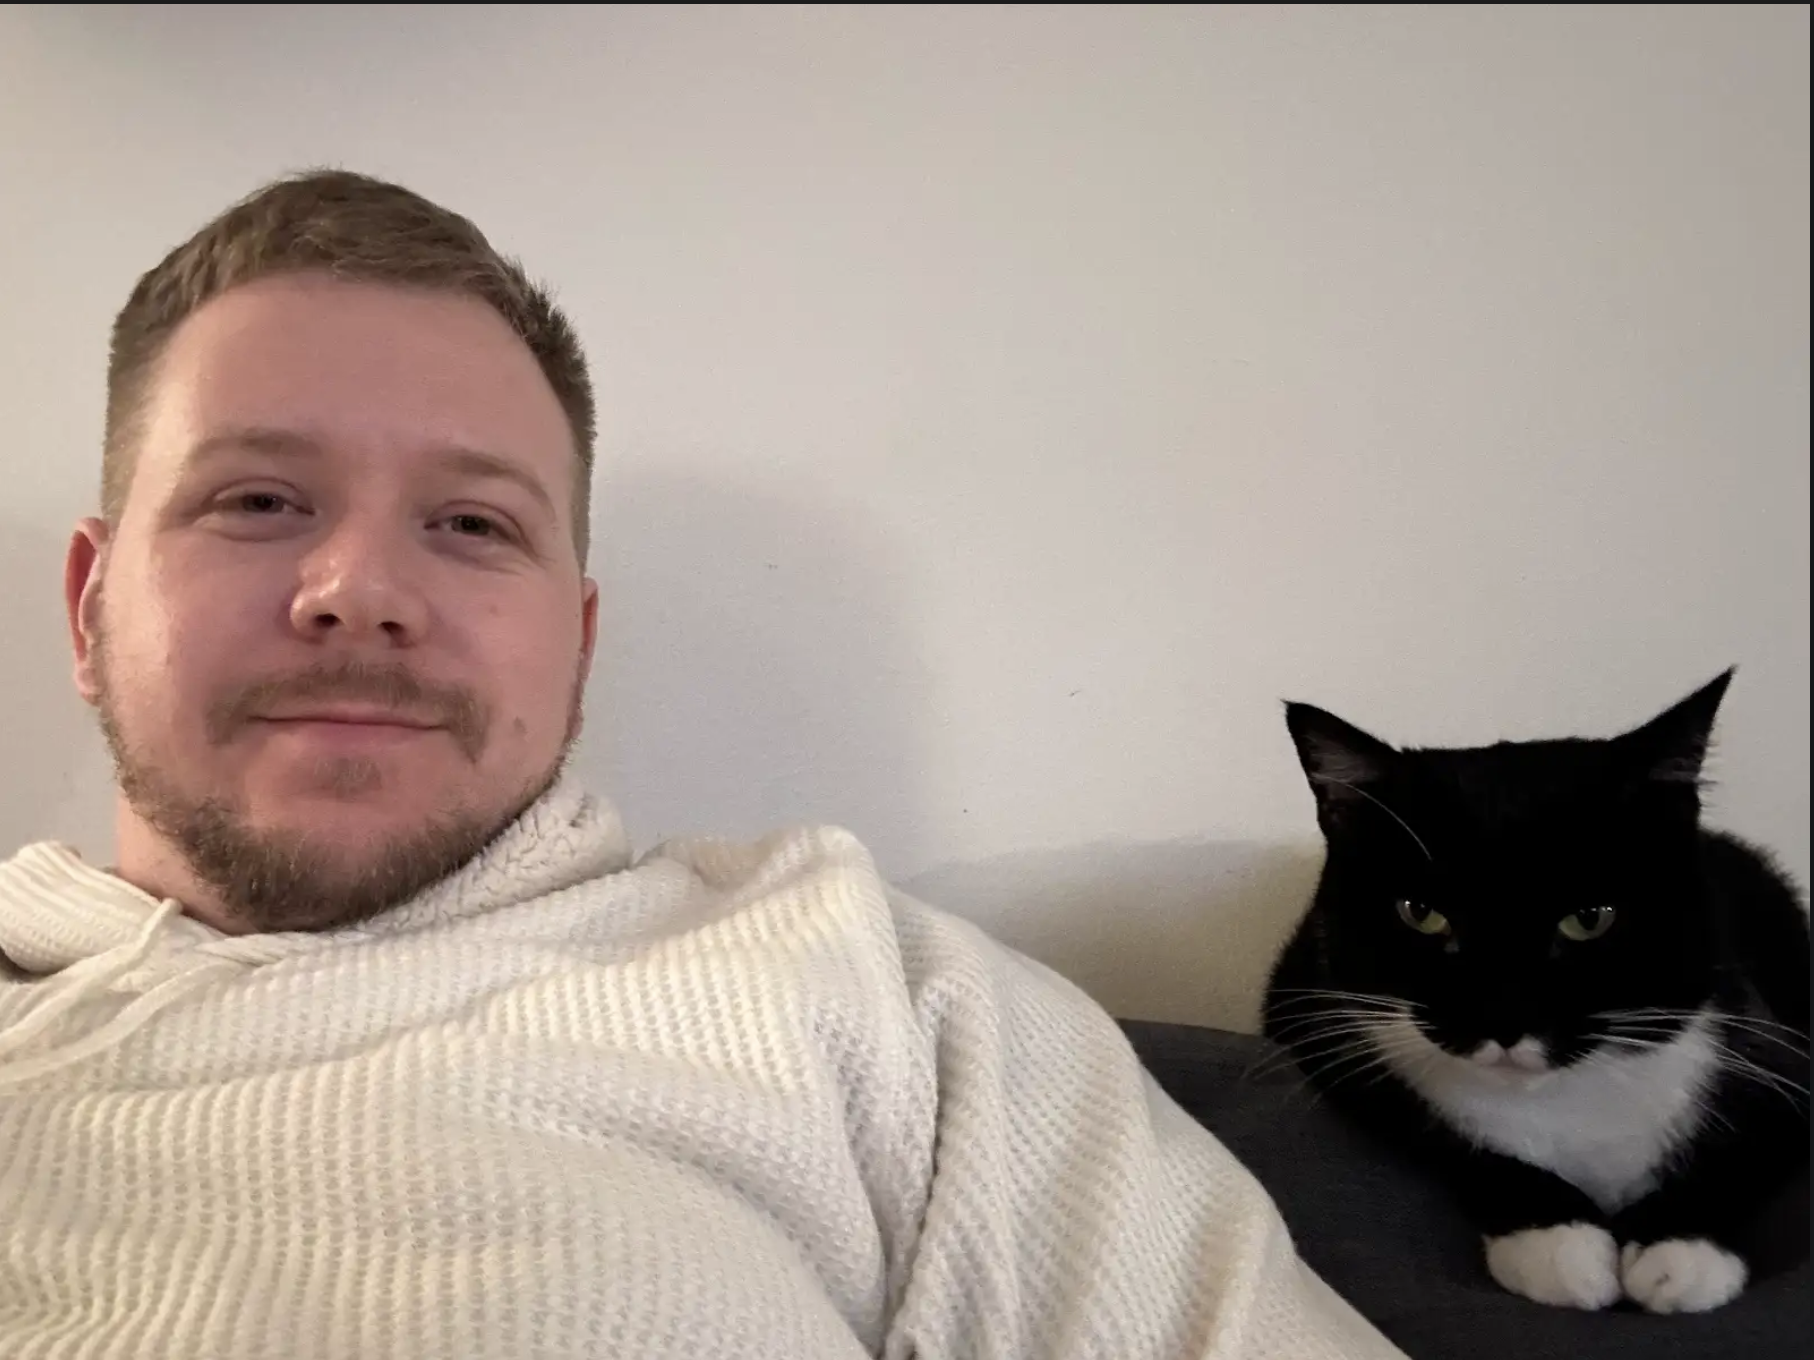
x: 1519, y: 897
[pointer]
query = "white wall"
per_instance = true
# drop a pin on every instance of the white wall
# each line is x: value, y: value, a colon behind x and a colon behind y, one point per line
x: 1005, y: 408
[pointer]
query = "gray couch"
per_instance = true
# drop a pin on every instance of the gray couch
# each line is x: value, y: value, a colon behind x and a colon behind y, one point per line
x: 1389, y: 1241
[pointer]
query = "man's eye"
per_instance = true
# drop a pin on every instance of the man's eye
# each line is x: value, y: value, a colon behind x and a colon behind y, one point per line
x: 258, y: 502
x: 470, y: 525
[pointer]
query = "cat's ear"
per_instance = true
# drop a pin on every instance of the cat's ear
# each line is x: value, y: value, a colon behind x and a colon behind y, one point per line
x: 1672, y: 747
x: 1338, y: 758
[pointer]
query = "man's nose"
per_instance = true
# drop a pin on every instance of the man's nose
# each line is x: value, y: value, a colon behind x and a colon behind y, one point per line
x: 358, y: 583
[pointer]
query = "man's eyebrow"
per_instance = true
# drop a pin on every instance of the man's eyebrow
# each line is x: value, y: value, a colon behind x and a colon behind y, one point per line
x: 478, y: 463
x: 467, y: 462
x: 253, y: 439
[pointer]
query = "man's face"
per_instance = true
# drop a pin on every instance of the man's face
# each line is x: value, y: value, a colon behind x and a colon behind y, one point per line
x: 339, y: 634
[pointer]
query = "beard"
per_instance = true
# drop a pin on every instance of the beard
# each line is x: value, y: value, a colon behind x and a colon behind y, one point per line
x: 272, y: 879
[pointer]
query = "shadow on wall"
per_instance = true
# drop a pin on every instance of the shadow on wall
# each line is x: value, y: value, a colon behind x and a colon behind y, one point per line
x: 48, y: 732
x: 1179, y: 931
x: 755, y: 665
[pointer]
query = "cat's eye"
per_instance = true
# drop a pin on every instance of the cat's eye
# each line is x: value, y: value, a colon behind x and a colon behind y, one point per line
x: 1590, y: 923
x: 1424, y: 920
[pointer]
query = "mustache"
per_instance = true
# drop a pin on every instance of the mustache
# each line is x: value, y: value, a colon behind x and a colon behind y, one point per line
x: 391, y: 686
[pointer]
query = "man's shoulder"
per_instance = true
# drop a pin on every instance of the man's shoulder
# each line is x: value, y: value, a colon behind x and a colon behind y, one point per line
x: 780, y: 854
x: 821, y: 870
x: 822, y: 877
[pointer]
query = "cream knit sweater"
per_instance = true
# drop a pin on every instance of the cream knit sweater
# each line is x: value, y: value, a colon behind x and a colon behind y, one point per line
x: 730, y: 1102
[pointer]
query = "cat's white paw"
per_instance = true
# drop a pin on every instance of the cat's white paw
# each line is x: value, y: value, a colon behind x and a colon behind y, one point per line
x: 1571, y: 1265
x: 1682, y: 1275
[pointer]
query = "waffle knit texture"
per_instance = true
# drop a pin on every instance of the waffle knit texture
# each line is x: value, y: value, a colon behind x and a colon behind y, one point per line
x: 731, y: 1101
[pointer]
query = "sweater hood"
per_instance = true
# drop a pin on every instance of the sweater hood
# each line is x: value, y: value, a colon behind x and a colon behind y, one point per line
x: 86, y: 939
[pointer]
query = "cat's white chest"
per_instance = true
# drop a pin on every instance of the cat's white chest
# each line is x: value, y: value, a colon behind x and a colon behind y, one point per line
x: 1607, y: 1125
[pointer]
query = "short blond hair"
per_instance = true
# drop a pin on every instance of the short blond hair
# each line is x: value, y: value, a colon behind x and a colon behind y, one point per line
x: 349, y: 226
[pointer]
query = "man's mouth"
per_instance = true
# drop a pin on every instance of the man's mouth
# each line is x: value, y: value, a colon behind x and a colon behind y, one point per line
x: 348, y: 728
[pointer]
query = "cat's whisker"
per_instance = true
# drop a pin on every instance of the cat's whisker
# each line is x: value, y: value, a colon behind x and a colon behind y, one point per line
x: 1270, y: 1063
x: 1677, y: 1013
x: 1297, y: 1013
x: 1294, y: 1031
x: 1647, y: 1038
x: 1727, y: 1054
x: 1783, y: 1085
x: 1680, y: 1013
x: 1355, y: 1040
x: 1310, y: 1025
x: 1631, y: 1043
x: 1392, y: 1050
x: 1314, y: 1049
x: 1308, y: 1046
x: 1392, y: 1054
x: 1420, y: 1064
x: 1707, y: 1110
x: 1771, y: 1031
x: 1331, y: 1045
x: 1355, y: 1060
x: 1419, y: 1059
x: 1297, y: 1087
x: 1336, y: 1056
x: 1303, y: 1011
x: 1377, y: 1065
x: 1339, y: 996
x: 1797, y: 1045
x: 1353, y: 1033
x: 1731, y: 1060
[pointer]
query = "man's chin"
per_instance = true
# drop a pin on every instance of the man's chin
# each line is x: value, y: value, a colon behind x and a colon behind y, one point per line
x: 375, y: 783
x: 323, y: 863
x: 333, y: 828
x: 317, y: 844
x: 309, y: 880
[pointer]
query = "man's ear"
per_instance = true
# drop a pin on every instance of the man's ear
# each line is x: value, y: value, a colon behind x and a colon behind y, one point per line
x: 83, y: 569
x: 588, y: 620
x: 588, y: 644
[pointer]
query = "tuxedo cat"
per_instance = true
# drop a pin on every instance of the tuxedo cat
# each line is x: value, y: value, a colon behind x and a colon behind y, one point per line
x: 1531, y: 968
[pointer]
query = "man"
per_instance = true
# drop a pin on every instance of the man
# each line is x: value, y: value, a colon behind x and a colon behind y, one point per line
x: 375, y: 1042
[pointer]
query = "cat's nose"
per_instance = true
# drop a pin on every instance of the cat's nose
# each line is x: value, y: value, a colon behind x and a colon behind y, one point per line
x: 1525, y: 1052
x: 1530, y: 1053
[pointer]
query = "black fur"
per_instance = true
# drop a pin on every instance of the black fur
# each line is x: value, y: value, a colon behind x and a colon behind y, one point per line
x: 1506, y: 842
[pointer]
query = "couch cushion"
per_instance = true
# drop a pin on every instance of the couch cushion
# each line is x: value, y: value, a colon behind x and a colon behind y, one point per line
x: 1389, y: 1240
